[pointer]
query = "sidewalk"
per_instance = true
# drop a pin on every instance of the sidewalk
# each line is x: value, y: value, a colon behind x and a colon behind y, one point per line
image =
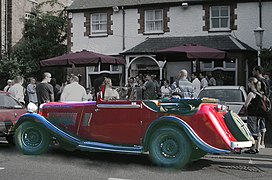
x: 264, y: 155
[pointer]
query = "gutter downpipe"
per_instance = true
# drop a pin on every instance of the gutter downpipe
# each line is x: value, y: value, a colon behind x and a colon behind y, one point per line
x: 260, y: 13
x: 123, y: 33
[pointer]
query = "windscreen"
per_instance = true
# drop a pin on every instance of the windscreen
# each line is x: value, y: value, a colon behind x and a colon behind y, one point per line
x: 226, y: 95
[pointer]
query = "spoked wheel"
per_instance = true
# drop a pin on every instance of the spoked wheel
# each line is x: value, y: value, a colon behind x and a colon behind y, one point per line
x: 170, y: 147
x: 32, y: 138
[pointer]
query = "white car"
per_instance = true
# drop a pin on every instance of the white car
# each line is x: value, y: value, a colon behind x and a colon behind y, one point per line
x: 232, y: 96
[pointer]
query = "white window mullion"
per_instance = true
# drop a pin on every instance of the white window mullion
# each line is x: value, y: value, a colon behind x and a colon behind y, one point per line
x: 220, y: 17
x: 154, y: 21
x: 98, y: 24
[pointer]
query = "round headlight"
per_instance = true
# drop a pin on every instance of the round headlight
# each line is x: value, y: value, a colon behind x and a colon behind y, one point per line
x: 31, y: 107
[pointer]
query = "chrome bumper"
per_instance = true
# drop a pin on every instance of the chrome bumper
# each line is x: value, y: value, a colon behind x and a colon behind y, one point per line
x: 240, y: 144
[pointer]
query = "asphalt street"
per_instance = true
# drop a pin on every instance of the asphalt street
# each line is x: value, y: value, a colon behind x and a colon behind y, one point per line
x: 60, y: 164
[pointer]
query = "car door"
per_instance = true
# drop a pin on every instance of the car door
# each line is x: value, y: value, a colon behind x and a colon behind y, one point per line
x: 117, y: 122
x: 10, y: 110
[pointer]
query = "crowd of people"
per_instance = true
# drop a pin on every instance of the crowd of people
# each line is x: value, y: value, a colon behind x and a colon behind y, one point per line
x: 47, y: 90
x: 148, y: 86
x: 141, y: 87
x: 259, y: 86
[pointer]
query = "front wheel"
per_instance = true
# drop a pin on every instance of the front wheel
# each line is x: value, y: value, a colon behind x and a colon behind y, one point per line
x: 31, y: 138
x: 170, y: 147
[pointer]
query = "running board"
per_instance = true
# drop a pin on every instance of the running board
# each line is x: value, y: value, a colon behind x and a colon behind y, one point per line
x: 95, y: 146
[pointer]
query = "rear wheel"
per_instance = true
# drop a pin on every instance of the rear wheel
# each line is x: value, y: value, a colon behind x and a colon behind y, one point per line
x: 169, y: 147
x: 32, y: 138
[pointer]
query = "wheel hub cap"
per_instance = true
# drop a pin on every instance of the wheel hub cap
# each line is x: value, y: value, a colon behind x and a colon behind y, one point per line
x: 32, y: 137
x: 169, y: 148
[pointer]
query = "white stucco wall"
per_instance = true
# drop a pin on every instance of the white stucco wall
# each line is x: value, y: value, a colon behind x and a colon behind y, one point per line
x: 248, y: 21
x: 183, y: 22
x: 186, y: 22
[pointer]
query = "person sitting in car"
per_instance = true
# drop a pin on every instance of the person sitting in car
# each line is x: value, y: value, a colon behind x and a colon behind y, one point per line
x: 109, y: 92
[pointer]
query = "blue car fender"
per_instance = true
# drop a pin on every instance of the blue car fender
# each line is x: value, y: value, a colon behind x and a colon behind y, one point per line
x: 178, y: 122
x: 52, y: 129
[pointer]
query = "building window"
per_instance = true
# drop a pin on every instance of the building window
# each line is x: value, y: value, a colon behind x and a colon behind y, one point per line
x: 99, y: 24
x: 154, y: 20
x: 220, y: 17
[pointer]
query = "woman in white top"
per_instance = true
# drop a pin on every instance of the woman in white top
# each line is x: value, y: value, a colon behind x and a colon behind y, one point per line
x: 165, y: 89
x: 109, y: 93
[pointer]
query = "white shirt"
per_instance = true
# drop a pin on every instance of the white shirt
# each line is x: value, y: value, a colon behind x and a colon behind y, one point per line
x: 166, y: 91
x: 31, y: 92
x: 203, y: 83
x: 17, y: 91
x: 196, y: 85
x: 73, y: 92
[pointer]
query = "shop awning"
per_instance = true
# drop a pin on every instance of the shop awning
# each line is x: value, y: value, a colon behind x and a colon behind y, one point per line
x: 194, y: 51
x: 81, y: 58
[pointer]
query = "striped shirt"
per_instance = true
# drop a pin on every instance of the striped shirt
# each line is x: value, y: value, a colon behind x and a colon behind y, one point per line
x: 186, y: 88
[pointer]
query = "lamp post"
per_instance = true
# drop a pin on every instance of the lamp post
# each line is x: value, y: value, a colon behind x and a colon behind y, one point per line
x: 258, y: 32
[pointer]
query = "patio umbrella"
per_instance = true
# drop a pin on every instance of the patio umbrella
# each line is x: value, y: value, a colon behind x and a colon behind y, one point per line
x: 83, y: 57
x: 194, y: 51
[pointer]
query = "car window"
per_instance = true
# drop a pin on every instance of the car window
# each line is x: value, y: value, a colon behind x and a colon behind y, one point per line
x: 226, y: 95
x: 7, y: 101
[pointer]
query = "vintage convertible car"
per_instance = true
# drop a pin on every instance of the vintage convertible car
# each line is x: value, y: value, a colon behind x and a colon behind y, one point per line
x: 173, y: 132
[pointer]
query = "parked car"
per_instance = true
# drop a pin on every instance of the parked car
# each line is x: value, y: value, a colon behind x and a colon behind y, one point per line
x: 173, y: 132
x: 10, y: 111
x: 232, y: 96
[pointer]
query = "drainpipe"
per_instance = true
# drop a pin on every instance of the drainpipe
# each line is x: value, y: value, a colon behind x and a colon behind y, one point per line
x: 260, y: 13
x: 123, y: 33
x: 0, y: 29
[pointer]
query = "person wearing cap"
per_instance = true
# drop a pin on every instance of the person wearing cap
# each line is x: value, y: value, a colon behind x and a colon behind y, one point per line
x: 9, y: 84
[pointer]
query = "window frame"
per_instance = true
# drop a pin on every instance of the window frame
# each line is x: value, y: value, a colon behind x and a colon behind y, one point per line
x: 153, y: 21
x: 100, y: 32
x: 220, y: 17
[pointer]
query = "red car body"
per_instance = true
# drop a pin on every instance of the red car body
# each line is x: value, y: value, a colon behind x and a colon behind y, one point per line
x: 10, y: 111
x: 135, y: 127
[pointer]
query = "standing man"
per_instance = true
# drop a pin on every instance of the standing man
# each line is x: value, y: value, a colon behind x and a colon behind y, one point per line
x: 257, y: 72
x: 73, y: 91
x: 203, y: 81
x: 186, y: 89
x: 196, y: 84
x: 44, y: 90
x: 212, y: 81
x: 17, y: 90
x: 149, y: 88
x: 31, y: 91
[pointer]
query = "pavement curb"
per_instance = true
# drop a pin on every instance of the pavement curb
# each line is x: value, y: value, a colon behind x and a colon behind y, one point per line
x: 238, y: 158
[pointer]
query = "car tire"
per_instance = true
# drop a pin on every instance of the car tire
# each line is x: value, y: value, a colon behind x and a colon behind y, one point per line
x: 32, y: 138
x: 237, y: 127
x: 169, y: 147
x: 10, y: 139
